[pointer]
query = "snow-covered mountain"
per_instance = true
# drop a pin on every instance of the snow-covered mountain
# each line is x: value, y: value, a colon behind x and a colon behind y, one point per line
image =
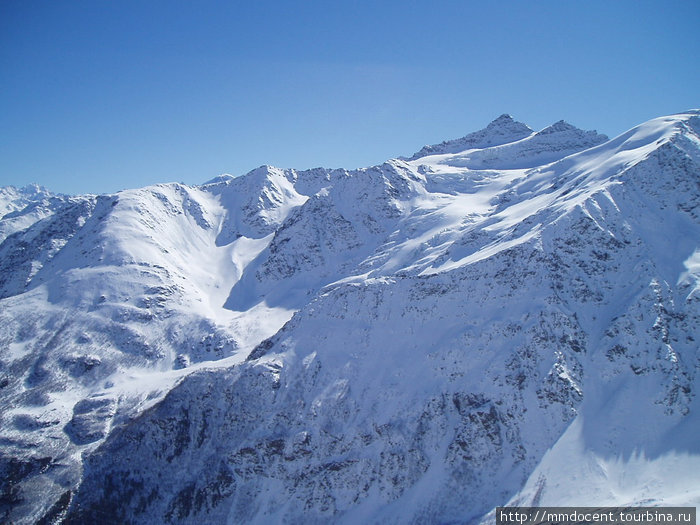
x: 511, y: 317
x: 22, y: 207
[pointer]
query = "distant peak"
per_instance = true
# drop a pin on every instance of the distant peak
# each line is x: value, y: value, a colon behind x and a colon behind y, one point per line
x: 224, y: 177
x: 503, y: 119
x: 500, y: 131
x: 558, y: 127
x: 569, y: 134
x: 507, y: 125
x: 32, y: 190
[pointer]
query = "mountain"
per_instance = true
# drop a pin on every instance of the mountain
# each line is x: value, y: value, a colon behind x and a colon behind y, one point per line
x: 22, y: 207
x: 507, y: 318
x: 503, y: 130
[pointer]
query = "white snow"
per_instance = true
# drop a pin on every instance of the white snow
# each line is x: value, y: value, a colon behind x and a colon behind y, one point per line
x: 571, y: 474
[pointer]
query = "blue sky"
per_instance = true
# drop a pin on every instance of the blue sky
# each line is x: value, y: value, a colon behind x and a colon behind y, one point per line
x: 98, y: 96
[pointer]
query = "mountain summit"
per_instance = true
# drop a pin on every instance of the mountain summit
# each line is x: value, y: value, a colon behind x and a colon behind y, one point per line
x: 501, y: 131
x: 507, y: 318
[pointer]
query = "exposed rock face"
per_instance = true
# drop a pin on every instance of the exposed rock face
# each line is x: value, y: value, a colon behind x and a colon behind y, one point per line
x: 420, y: 341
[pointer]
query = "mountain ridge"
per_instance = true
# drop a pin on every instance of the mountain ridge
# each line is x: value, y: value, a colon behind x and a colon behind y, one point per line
x: 424, y: 339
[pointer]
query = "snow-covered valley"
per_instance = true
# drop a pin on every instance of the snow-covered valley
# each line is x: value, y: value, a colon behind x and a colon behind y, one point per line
x: 511, y: 317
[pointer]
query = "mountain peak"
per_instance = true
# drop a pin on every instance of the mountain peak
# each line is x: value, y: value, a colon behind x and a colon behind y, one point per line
x: 561, y: 125
x: 14, y: 199
x: 507, y: 126
x: 500, y: 131
x: 503, y: 120
x: 221, y: 178
x: 569, y: 136
x: 505, y: 117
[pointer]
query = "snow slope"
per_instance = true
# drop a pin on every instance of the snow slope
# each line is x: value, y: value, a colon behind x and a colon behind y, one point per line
x: 510, y: 317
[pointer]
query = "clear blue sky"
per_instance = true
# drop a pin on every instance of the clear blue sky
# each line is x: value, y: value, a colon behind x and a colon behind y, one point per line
x: 97, y: 96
